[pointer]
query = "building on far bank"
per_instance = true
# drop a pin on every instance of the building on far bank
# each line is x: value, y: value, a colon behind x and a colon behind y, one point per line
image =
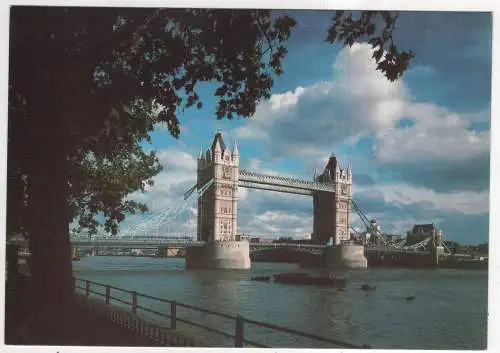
x: 420, y: 232
x: 393, y: 237
x: 423, y: 231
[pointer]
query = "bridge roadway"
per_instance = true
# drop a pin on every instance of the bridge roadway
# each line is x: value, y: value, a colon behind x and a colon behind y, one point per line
x: 174, y: 243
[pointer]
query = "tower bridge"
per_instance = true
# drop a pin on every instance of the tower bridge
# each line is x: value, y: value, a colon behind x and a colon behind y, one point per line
x: 218, y: 179
x: 219, y: 176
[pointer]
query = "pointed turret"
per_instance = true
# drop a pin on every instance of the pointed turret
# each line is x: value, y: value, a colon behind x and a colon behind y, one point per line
x: 235, y: 155
x: 235, y: 149
x: 208, y: 155
x: 201, y: 159
x: 218, y: 146
x: 218, y: 140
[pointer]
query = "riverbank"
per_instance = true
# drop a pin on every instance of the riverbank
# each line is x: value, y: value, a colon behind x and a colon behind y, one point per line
x: 290, y: 256
x: 468, y: 264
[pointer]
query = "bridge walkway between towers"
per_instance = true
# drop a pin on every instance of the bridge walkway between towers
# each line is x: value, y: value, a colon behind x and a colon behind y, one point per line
x: 253, y: 180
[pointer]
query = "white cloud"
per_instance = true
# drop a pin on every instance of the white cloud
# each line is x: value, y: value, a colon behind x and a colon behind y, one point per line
x: 471, y: 203
x: 166, y: 196
x: 312, y: 121
x: 278, y: 223
x: 177, y: 160
x: 359, y: 100
x: 436, y: 134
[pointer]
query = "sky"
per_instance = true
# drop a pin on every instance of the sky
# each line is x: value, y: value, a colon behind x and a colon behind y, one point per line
x: 419, y: 148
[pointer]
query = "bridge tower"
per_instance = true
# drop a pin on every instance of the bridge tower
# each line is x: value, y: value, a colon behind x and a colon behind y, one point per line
x: 218, y: 211
x: 332, y: 210
x: 332, y: 218
x: 217, y: 208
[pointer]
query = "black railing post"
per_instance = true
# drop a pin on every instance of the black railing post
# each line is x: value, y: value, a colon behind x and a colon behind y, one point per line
x: 173, y: 315
x: 238, y: 332
x: 134, y: 302
x: 108, y: 294
x: 87, y: 287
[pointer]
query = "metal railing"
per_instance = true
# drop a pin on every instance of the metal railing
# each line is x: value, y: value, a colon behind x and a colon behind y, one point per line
x: 238, y: 335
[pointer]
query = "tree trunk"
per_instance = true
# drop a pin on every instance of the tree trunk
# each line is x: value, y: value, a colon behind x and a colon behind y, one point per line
x: 51, y: 265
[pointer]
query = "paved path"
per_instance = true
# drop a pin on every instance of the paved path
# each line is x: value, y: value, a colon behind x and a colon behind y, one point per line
x: 80, y: 328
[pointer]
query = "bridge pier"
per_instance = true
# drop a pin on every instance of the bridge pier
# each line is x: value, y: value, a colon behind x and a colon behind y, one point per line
x: 346, y: 256
x: 222, y: 255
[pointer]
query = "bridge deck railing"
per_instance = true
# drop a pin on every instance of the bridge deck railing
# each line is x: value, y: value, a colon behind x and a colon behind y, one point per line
x: 131, y: 299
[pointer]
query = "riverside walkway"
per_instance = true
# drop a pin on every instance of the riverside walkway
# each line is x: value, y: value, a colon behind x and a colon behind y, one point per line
x: 82, y: 328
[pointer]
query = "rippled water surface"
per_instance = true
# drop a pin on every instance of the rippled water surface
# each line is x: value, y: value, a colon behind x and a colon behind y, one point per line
x: 449, y: 310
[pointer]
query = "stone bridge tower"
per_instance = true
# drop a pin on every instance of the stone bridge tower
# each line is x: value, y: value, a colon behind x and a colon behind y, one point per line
x: 217, y: 211
x: 217, y: 208
x: 332, y: 211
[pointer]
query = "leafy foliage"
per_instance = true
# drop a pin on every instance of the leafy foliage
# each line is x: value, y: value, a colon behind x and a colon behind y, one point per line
x: 347, y: 30
x: 94, y: 90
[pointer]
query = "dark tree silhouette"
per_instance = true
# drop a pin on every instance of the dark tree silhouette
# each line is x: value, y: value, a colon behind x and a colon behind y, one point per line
x: 85, y: 85
x: 348, y: 30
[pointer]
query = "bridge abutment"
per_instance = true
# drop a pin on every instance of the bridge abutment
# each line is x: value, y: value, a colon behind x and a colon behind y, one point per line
x: 346, y: 256
x: 223, y: 255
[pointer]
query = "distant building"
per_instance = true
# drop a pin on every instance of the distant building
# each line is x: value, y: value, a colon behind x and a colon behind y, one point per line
x: 423, y: 229
x: 394, y: 237
x: 241, y: 237
x: 420, y: 232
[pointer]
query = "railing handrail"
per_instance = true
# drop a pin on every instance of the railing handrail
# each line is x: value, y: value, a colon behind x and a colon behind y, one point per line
x: 238, y: 336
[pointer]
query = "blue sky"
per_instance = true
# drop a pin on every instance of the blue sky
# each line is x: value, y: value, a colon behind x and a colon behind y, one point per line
x: 419, y: 148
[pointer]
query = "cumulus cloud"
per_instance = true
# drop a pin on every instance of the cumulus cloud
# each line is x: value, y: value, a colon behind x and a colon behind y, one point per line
x: 168, y: 211
x: 275, y: 223
x: 439, y: 149
x: 358, y: 101
x: 404, y: 194
x: 433, y: 145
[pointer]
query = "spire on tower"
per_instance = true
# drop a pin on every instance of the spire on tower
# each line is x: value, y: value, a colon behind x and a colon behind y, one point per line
x: 218, y: 140
x: 217, y: 147
x: 235, y: 149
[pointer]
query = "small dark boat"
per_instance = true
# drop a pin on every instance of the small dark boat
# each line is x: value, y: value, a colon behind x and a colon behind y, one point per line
x: 261, y: 278
x: 76, y: 258
x: 306, y: 279
x: 411, y: 297
x: 367, y: 287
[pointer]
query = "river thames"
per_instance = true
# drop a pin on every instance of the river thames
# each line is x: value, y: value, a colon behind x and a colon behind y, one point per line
x: 449, y: 310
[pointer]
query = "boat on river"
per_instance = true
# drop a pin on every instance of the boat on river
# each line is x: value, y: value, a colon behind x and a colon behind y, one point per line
x: 301, y: 278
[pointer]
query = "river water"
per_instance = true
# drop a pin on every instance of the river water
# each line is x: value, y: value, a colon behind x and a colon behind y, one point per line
x: 449, y: 310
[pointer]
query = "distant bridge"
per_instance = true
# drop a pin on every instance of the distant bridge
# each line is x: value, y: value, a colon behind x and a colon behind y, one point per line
x: 154, y: 243
x: 158, y: 242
